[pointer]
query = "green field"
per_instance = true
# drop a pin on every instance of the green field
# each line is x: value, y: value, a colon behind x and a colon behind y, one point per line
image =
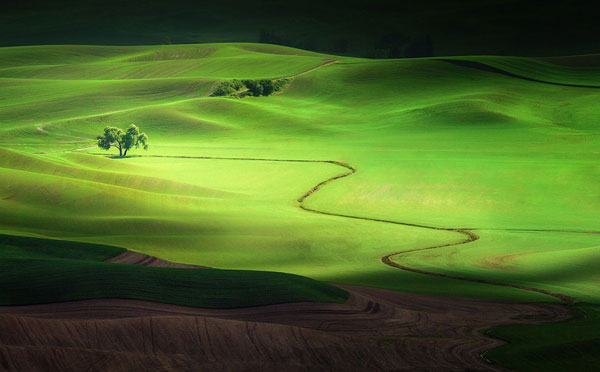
x: 434, y: 143
x: 38, y: 271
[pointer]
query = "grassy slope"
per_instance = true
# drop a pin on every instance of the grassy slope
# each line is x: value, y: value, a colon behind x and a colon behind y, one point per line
x: 433, y: 143
x: 34, y: 270
x: 366, y: 113
x: 543, y: 70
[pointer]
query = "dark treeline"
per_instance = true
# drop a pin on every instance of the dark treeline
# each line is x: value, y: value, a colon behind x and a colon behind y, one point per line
x: 377, y: 28
x: 241, y: 88
x: 391, y: 45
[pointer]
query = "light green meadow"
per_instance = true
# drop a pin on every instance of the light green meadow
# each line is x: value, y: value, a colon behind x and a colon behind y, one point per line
x: 433, y: 143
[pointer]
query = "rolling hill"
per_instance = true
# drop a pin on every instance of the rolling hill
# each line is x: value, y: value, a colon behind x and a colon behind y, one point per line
x: 503, y: 147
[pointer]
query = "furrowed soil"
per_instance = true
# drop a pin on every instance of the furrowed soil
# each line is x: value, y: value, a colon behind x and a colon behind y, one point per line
x: 374, y: 330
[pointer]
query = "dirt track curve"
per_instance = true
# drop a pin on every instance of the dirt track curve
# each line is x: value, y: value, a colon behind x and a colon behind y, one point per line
x: 388, y: 258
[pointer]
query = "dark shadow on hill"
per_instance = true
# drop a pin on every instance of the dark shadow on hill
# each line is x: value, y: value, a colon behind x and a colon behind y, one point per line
x: 488, y: 68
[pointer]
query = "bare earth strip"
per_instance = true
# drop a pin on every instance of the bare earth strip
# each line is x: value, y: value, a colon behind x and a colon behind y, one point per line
x: 135, y: 258
x: 375, y: 330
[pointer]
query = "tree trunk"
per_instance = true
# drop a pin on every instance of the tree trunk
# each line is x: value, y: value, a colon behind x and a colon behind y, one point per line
x: 120, y: 152
x: 125, y: 154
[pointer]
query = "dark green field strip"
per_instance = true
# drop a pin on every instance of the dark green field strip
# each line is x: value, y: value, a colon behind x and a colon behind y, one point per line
x: 36, y: 281
x: 485, y: 67
x: 37, y: 271
x: 12, y: 246
x: 564, y: 346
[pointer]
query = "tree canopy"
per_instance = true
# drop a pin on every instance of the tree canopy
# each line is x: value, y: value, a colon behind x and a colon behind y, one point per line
x: 256, y: 88
x: 123, y: 140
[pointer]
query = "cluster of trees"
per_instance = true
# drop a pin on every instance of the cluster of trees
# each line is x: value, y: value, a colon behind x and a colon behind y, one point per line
x: 256, y: 88
x: 228, y: 88
x: 123, y: 140
x: 265, y: 87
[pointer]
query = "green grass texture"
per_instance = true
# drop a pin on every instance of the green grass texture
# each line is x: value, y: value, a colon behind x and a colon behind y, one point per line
x: 510, y: 153
x: 37, y: 271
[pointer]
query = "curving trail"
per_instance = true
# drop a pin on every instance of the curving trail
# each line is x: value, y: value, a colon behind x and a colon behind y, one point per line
x: 470, y: 237
x: 388, y: 258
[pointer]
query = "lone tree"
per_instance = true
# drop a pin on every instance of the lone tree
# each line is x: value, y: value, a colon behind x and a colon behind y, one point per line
x: 115, y: 137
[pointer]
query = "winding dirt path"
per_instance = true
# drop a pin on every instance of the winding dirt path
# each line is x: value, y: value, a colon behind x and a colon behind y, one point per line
x: 470, y: 237
x: 388, y: 258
